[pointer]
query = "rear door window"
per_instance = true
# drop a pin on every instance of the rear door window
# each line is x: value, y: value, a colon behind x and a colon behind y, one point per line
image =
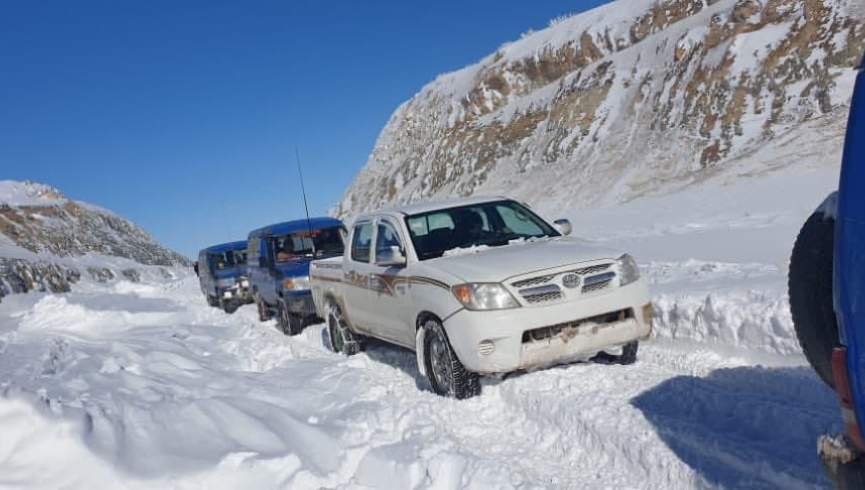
x: 361, y: 242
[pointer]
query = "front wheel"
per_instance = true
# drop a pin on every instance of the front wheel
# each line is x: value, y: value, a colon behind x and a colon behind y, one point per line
x: 289, y: 323
x: 810, y: 291
x: 230, y: 306
x: 445, y: 372
x: 263, y: 311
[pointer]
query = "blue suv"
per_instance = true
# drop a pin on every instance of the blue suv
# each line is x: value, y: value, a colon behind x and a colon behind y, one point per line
x: 222, y: 275
x: 827, y: 300
x: 279, y: 257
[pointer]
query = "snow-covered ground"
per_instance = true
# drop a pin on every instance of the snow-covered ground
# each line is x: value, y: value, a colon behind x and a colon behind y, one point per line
x: 126, y: 385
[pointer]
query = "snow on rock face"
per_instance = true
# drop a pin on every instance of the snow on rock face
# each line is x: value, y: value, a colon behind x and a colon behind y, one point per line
x: 39, y: 219
x: 631, y: 98
x: 14, y: 193
x: 47, y: 242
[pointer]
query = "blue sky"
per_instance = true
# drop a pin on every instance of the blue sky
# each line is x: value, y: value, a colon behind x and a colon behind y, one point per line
x: 184, y: 116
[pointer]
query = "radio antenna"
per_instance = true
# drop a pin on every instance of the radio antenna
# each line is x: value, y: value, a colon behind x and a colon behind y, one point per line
x: 305, y: 205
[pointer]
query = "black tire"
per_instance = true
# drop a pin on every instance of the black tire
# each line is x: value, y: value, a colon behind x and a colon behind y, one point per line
x: 230, y: 306
x: 847, y: 476
x: 445, y: 372
x: 810, y: 291
x: 289, y: 323
x: 264, y: 313
x: 339, y: 338
x: 212, y: 301
x: 852, y: 476
x: 629, y: 353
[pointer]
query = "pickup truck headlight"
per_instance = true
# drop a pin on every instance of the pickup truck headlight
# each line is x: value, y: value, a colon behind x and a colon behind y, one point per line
x: 298, y: 283
x: 629, y: 271
x: 484, y: 296
x: 225, y: 282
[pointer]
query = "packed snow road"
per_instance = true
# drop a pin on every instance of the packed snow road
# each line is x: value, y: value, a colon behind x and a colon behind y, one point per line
x: 134, y: 386
x: 125, y: 385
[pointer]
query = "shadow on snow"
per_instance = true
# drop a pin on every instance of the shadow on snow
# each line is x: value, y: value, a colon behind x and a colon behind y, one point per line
x: 747, y: 427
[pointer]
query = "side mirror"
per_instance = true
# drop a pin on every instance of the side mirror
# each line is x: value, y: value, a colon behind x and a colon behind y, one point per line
x: 195, y: 267
x: 391, y: 257
x: 563, y: 226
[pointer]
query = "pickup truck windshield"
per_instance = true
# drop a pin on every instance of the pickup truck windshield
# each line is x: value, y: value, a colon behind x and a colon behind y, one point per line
x: 490, y: 224
x: 304, y: 245
x: 227, y: 260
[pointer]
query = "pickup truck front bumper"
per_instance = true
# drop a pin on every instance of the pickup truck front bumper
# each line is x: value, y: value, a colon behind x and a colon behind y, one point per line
x: 502, y: 341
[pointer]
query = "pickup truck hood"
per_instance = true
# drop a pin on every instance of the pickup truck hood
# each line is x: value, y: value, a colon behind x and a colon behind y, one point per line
x: 495, y: 264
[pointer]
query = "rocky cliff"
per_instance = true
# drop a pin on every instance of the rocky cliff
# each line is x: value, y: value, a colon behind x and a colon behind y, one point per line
x: 631, y: 98
x: 48, y: 242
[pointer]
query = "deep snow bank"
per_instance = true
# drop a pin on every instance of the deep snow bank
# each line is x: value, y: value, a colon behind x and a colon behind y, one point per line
x: 142, y: 385
x: 717, y: 255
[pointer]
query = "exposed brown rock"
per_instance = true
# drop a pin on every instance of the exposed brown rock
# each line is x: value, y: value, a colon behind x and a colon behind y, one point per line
x: 582, y: 112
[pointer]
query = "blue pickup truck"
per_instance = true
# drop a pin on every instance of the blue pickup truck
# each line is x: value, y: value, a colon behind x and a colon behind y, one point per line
x: 827, y: 300
x: 279, y: 257
x: 222, y: 275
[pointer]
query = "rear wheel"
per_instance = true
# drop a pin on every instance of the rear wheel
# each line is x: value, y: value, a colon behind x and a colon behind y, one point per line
x: 289, y: 323
x: 340, y: 338
x: 212, y: 301
x: 629, y: 353
x: 810, y: 291
x: 445, y: 372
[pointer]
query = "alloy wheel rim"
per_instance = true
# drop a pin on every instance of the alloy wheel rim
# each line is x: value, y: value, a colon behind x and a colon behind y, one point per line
x: 440, y: 363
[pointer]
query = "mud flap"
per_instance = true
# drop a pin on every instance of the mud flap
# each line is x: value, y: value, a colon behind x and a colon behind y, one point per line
x: 419, y: 351
x: 843, y: 465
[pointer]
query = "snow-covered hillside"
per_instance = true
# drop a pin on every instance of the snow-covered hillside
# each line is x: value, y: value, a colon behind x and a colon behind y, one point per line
x: 121, y: 385
x: 635, y: 97
x: 48, y: 242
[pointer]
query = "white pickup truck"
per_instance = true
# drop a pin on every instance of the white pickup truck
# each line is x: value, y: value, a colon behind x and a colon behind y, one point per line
x: 479, y: 286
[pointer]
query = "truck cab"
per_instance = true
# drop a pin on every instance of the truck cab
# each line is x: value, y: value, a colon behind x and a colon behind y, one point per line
x: 222, y: 275
x: 279, y: 258
x: 827, y: 300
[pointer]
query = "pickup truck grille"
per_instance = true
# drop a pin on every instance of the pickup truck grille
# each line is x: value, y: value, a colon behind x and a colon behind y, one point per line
x: 592, y: 269
x: 534, y: 281
x: 541, y: 294
x: 547, y: 287
x: 597, y: 282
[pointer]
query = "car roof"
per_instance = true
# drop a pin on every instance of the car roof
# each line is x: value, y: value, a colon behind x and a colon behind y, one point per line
x: 294, y: 226
x: 224, y: 247
x: 427, y: 206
